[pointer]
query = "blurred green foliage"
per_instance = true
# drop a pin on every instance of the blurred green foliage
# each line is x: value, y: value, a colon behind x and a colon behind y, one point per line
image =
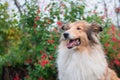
x: 32, y: 40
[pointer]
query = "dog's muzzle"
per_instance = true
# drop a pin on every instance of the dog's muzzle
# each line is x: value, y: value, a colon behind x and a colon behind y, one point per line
x: 71, y: 42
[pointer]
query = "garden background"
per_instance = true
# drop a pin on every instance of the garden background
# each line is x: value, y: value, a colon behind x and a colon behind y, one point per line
x: 29, y: 37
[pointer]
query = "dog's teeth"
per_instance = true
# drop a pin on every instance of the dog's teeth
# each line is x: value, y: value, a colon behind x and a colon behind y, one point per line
x: 77, y: 40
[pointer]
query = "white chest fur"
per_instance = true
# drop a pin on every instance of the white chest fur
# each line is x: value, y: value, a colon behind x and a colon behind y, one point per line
x: 73, y: 65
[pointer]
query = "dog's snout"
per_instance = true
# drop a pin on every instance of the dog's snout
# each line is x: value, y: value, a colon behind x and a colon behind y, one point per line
x: 66, y: 35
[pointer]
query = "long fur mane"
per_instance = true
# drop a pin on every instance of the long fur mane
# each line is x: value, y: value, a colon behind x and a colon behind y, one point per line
x: 84, y: 62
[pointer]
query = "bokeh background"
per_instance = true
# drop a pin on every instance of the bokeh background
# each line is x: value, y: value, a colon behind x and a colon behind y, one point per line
x: 30, y: 31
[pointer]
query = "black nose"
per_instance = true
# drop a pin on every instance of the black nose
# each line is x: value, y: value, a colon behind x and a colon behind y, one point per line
x: 66, y: 35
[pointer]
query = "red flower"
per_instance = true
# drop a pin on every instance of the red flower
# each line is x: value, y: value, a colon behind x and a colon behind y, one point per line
x: 117, y: 62
x: 113, y: 27
x: 38, y: 11
x: 43, y: 62
x: 114, y: 39
x: 50, y: 41
x: 106, y: 44
x: 16, y: 77
x: 41, y: 78
x: 29, y: 61
x: 35, y: 25
x: 44, y: 56
x: 51, y: 57
x: 37, y: 18
x: 27, y: 76
x: 59, y: 24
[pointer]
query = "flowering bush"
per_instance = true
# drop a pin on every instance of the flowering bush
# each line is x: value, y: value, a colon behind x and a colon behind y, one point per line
x: 32, y: 50
x: 110, y: 38
x: 45, y: 36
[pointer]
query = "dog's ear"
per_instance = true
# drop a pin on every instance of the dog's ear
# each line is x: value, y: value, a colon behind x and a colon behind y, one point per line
x: 96, y: 27
x: 65, y: 26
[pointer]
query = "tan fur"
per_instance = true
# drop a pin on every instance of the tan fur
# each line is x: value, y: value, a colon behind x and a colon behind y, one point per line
x: 83, y: 25
x: 110, y: 75
x: 86, y: 46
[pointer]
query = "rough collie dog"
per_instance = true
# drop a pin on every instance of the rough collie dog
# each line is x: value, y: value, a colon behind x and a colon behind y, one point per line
x: 80, y: 54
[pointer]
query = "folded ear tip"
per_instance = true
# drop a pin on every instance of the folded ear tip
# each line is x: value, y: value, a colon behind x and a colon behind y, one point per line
x: 97, y: 27
x: 65, y: 27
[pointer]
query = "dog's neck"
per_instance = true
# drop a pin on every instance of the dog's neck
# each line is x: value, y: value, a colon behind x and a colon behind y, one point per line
x: 89, y: 64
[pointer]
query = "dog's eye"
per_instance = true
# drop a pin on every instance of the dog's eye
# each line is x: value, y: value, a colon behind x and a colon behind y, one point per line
x: 78, y: 28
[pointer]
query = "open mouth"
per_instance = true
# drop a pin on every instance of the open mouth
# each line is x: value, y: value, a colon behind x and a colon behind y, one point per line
x: 73, y: 42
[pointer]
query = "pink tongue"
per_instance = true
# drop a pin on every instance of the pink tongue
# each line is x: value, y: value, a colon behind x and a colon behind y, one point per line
x: 71, y: 44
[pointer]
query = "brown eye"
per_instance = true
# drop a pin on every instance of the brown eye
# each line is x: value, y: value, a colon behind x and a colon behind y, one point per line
x: 78, y: 28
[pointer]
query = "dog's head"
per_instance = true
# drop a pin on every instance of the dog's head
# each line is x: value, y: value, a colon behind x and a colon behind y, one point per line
x: 80, y: 33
